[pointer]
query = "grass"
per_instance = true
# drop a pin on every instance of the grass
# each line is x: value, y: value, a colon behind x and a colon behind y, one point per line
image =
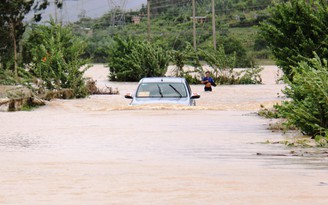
x: 265, y: 62
x: 246, y: 35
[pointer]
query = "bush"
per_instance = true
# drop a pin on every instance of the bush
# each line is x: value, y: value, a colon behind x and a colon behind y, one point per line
x: 269, y: 113
x: 260, y: 44
x: 53, y: 55
x: 221, y: 63
x: 7, y: 77
x: 296, y: 29
x: 234, y: 46
x: 250, y: 76
x: 223, y: 68
x: 190, y: 79
x: 131, y: 60
x: 187, y: 56
x: 308, y: 108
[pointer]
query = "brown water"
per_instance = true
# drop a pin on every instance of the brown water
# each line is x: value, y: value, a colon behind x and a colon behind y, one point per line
x: 101, y: 151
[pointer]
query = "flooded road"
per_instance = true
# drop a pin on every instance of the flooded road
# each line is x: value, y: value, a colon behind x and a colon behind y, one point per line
x: 101, y: 151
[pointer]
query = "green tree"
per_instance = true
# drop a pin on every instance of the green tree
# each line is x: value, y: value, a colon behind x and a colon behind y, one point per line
x: 221, y: 63
x: 53, y: 54
x: 308, y: 109
x: 12, y: 14
x: 131, y: 60
x: 234, y: 46
x: 296, y: 29
x: 184, y: 57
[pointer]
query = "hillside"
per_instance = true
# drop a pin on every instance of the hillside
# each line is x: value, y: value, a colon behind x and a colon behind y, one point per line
x: 171, y: 27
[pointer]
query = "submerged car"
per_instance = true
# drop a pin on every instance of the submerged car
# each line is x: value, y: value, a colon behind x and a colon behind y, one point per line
x: 163, y: 90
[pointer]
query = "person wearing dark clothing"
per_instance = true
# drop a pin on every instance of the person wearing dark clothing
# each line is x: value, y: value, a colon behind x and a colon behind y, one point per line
x: 208, y: 81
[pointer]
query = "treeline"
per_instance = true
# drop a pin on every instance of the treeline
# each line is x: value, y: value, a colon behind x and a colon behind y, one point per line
x: 171, y: 28
x: 159, y: 6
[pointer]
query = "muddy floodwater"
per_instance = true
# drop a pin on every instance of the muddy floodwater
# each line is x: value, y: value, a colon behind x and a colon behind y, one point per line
x: 99, y: 150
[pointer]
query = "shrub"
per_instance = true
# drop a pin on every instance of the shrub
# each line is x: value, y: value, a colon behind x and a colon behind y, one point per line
x: 7, y: 77
x: 53, y: 55
x: 271, y: 113
x: 234, y: 46
x: 308, y: 108
x: 223, y: 68
x: 187, y: 56
x: 250, y: 76
x: 221, y: 63
x: 131, y: 60
x: 296, y: 29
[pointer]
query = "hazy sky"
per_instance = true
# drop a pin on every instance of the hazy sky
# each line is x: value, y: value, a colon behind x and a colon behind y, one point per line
x: 93, y: 8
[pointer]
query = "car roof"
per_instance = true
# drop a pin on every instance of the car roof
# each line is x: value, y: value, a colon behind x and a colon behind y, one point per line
x: 163, y: 79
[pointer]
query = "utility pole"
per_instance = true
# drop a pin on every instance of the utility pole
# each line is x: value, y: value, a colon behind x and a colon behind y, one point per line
x: 148, y: 19
x: 194, y: 23
x: 213, y: 25
x: 56, y: 5
x: 56, y: 18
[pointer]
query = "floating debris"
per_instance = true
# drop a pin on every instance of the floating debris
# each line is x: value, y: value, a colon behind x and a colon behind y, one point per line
x: 94, y: 90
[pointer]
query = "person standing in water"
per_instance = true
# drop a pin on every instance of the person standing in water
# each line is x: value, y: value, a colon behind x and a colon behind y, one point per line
x: 208, y: 81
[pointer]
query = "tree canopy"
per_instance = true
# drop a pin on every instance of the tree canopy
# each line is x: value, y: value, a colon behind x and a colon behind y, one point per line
x: 53, y: 55
x: 131, y: 60
x: 297, y: 34
x: 296, y: 30
x: 12, y: 14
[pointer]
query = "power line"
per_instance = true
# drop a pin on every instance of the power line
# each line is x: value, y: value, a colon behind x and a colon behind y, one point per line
x: 175, y: 13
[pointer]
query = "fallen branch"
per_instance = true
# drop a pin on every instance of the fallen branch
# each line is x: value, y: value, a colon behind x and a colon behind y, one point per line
x: 94, y: 90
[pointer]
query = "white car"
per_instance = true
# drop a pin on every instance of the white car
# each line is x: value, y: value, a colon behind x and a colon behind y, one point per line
x: 163, y: 90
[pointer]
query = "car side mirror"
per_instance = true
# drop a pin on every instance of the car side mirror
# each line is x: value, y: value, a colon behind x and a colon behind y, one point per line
x: 195, y: 96
x: 128, y: 96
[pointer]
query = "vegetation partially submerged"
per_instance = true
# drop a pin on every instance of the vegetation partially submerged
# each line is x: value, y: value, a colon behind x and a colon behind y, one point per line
x: 131, y: 59
x: 53, y: 55
x: 52, y: 67
x: 306, y: 71
x: 307, y: 106
x: 47, y: 58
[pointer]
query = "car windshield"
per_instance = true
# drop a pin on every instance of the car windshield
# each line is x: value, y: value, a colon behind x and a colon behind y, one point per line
x: 161, y: 90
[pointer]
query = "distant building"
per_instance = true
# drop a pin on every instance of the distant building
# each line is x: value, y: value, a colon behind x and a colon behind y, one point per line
x: 88, y: 31
x: 136, y: 19
x: 200, y: 19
